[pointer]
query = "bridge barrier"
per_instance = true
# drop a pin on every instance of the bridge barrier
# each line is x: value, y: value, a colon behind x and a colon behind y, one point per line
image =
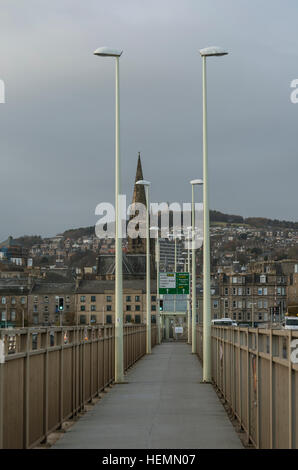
x: 256, y: 372
x: 48, y: 375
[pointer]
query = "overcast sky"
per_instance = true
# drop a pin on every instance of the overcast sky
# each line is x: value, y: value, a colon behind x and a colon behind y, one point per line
x: 57, y: 125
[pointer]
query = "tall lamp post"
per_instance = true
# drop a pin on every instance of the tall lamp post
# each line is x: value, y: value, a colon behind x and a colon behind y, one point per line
x: 119, y: 369
x: 189, y: 230
x: 148, y: 290
x: 207, y: 52
x: 157, y: 258
x: 193, y: 263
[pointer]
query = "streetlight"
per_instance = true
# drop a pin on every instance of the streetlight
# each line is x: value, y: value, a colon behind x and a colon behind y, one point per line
x: 189, y: 230
x: 207, y: 52
x: 119, y: 372
x: 148, y: 293
x: 193, y: 272
x: 157, y: 258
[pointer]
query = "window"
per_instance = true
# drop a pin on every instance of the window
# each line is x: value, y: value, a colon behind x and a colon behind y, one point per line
x: 46, y: 308
x: 128, y: 298
x: 46, y: 299
x: 3, y: 300
x: 23, y: 300
x: 260, y: 304
x: 234, y: 280
x: 226, y: 303
x: 153, y: 308
x: 82, y: 319
x: 234, y: 291
x: 34, y: 341
x: 109, y: 298
x: 109, y: 308
x: 153, y: 318
x: 109, y: 319
x: 226, y: 291
x: 67, y: 299
x: 93, y: 319
x: 239, y: 290
x: 128, y: 318
x: 260, y: 291
x: 248, y: 315
x: 93, y: 308
x: 248, y: 290
x: 35, y: 318
x: 13, y: 316
x: 215, y: 304
x: 83, y: 298
x: 234, y: 316
x: 3, y: 316
x: 35, y: 308
x: 138, y: 298
x: 234, y: 304
x: 138, y: 318
x: 83, y: 308
x: 265, y: 290
x: 153, y: 298
x: 35, y: 299
x: 260, y: 316
x: 128, y: 308
x: 13, y: 300
x: 263, y: 279
x: 240, y: 316
x: 265, y: 303
x: 239, y: 303
x: 93, y: 298
x: 138, y: 308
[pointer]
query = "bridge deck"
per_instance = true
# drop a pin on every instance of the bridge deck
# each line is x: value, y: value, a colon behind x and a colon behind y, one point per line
x: 164, y: 406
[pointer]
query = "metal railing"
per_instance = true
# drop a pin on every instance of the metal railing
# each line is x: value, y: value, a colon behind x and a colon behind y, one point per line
x: 256, y: 372
x: 48, y: 375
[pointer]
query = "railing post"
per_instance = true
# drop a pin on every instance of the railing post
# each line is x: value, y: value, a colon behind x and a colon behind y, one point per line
x: 248, y: 387
x: 2, y: 365
x: 91, y: 365
x: 271, y: 392
x: 258, y: 392
x: 61, y: 375
x: 46, y: 388
x: 290, y: 391
x: 26, y: 392
x: 239, y: 376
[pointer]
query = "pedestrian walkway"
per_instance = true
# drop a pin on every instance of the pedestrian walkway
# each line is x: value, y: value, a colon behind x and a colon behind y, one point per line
x: 164, y: 406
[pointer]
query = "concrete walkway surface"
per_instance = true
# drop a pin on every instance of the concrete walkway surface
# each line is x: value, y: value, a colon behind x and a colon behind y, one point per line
x: 164, y: 406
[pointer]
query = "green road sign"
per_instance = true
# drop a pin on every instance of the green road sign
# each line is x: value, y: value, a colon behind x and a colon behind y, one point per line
x: 174, y: 283
x: 182, y: 283
x: 167, y: 283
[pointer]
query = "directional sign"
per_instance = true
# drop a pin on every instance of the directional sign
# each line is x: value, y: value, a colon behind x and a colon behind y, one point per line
x: 167, y: 283
x: 173, y: 283
x: 182, y: 283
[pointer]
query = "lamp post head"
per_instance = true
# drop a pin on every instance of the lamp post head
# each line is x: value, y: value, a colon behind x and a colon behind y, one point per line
x: 213, y: 51
x: 198, y: 181
x: 144, y: 182
x: 107, y: 52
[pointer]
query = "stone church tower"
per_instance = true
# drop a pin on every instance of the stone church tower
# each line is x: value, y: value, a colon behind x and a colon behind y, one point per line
x: 138, y: 245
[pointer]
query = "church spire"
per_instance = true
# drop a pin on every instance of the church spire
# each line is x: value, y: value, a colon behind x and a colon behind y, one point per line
x: 139, y: 189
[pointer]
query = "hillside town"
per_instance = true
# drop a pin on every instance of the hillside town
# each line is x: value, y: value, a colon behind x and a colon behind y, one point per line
x: 69, y: 278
